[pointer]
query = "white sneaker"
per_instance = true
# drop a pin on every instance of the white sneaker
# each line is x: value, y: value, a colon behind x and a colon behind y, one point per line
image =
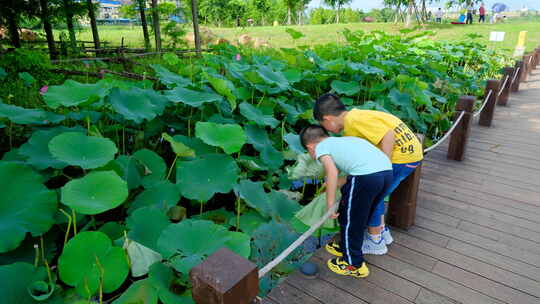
x: 374, y: 247
x: 386, y: 236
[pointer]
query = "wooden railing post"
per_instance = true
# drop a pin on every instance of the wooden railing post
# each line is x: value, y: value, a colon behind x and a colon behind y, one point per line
x: 536, y: 54
x: 459, y: 138
x: 503, y: 99
x: 402, y: 207
x: 225, y: 278
x: 486, y: 116
x: 526, y: 68
x: 515, y: 84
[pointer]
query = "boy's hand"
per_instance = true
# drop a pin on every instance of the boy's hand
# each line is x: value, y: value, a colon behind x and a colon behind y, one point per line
x: 334, y: 216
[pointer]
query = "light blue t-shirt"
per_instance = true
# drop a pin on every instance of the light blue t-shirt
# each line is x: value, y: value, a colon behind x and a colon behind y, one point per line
x: 353, y: 155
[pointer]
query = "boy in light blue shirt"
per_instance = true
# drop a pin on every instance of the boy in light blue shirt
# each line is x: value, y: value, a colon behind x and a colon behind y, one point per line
x: 369, y: 174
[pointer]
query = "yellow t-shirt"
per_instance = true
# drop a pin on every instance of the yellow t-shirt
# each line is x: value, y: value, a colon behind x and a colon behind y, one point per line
x: 373, y: 125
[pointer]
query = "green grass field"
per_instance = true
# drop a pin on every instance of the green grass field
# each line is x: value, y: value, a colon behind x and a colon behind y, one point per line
x: 319, y: 34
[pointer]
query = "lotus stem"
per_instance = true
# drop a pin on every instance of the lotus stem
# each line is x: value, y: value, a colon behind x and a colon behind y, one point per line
x: 189, y: 122
x: 304, y: 187
x: 172, y: 166
x: 237, y: 213
x: 101, y: 274
x: 36, y: 259
x: 68, y: 227
x: 42, y: 249
x: 282, y: 135
x: 74, y: 222
x: 124, y: 139
x: 201, y: 204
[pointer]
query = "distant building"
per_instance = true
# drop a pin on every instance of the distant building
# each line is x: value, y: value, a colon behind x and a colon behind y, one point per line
x: 109, y: 9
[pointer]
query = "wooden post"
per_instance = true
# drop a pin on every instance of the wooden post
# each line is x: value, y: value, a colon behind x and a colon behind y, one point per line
x: 525, y: 74
x: 515, y: 84
x: 459, y: 137
x: 486, y: 116
x: 402, y: 206
x: 224, y: 278
x: 537, y: 57
x: 503, y: 99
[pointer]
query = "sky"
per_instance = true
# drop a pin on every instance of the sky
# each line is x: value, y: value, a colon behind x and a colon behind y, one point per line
x: 367, y: 5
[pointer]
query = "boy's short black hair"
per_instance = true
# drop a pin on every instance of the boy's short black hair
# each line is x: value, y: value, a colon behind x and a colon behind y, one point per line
x: 328, y: 104
x: 312, y: 133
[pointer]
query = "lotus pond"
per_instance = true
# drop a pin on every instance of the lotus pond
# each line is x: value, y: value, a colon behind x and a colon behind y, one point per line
x: 113, y: 190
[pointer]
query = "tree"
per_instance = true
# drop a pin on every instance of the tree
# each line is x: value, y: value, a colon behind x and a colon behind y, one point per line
x: 262, y: 7
x: 47, y: 27
x: 291, y: 4
x: 144, y: 23
x: 337, y: 4
x: 92, y: 15
x: 68, y: 12
x: 155, y: 21
x: 11, y: 13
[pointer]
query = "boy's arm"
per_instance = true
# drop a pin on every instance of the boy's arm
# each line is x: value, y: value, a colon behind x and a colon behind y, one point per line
x: 331, y: 180
x: 387, y: 143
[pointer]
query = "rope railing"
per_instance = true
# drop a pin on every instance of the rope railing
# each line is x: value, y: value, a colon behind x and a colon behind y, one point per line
x: 297, y: 243
x: 515, y: 75
x: 484, y: 104
x: 501, y: 90
x: 447, y: 135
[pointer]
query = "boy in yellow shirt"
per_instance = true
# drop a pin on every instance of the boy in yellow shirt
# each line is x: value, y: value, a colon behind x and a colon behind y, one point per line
x: 389, y: 134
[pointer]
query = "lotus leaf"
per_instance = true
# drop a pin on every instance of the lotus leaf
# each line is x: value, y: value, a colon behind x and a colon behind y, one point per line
x: 196, y: 144
x: 187, y: 243
x: 28, y: 79
x: 95, y: 193
x: 73, y: 93
x: 26, y: 205
x: 261, y: 142
x: 142, y: 291
x: 219, y: 216
x: 24, y: 116
x: 161, y: 195
x: 224, y: 87
x: 78, y: 149
x: 269, y: 240
x: 179, y: 148
x: 16, y: 279
x: 273, y: 77
x: 141, y: 258
x: 164, y: 280
x: 294, y: 33
x: 146, y: 225
x: 305, y: 167
x: 88, y: 259
x: 274, y: 204
x: 230, y: 137
x: 192, y: 98
x: 348, y: 88
x: 128, y: 168
x: 154, y: 166
x: 137, y: 104
x: 293, y: 140
x: 113, y: 230
x: 36, y: 149
x: 254, y: 114
x: 249, y: 221
x: 169, y: 78
x: 201, y: 178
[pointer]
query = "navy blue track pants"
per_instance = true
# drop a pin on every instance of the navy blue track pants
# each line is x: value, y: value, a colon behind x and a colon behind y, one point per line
x: 358, y: 199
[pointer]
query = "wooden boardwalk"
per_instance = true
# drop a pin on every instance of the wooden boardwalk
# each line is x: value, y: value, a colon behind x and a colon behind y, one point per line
x: 477, y: 233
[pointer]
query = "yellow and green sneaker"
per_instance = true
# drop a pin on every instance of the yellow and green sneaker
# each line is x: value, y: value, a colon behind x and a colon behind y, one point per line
x: 334, y: 249
x: 339, y: 266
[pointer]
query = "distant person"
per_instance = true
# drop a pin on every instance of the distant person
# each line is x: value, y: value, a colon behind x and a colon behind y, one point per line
x: 482, y: 13
x: 438, y: 15
x: 470, y: 10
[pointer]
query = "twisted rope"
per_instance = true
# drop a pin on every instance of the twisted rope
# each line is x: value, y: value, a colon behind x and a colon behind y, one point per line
x: 447, y: 135
x: 503, y: 86
x: 297, y: 243
x: 484, y: 104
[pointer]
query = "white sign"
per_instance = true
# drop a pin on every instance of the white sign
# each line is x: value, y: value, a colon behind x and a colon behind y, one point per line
x: 496, y: 36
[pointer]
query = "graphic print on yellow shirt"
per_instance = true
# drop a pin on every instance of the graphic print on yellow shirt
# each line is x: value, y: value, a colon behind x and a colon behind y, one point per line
x: 373, y: 125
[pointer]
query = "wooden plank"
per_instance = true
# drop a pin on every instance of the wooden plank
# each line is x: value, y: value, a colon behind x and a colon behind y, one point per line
x: 429, y: 236
x: 430, y: 281
x: 495, y: 259
x: 322, y: 290
x: 511, y: 252
x: 267, y: 301
x: 483, y: 285
x: 500, y: 236
x: 412, y: 257
x: 471, y: 264
x: 438, y: 217
x: 428, y: 297
x: 470, y: 212
x: 287, y: 294
x: 362, y: 289
x: 384, y: 279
